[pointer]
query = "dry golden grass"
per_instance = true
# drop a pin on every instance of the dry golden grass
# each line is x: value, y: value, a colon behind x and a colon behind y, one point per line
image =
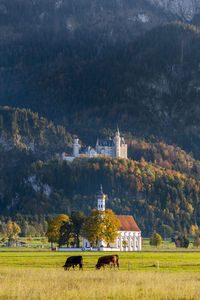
x: 39, y: 284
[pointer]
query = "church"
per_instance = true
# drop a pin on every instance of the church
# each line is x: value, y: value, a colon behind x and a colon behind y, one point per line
x: 129, y: 235
x: 113, y: 148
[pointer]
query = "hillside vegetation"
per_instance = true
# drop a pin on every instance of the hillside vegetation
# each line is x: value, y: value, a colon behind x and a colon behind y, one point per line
x: 21, y: 129
x: 153, y: 195
x: 158, y: 185
x: 150, y: 87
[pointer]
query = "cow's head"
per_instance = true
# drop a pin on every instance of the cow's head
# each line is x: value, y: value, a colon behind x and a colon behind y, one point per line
x: 66, y: 266
x: 98, y: 266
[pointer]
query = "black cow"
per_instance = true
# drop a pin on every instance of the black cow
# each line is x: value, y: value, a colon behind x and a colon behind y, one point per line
x: 73, y: 261
x: 112, y: 260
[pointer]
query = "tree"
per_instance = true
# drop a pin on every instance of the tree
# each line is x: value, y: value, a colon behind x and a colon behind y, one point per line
x: 125, y: 244
x: 194, y: 230
x: 165, y: 231
x: 65, y: 235
x: 101, y: 226
x: 111, y: 226
x: 77, y: 219
x: 11, y: 230
x: 155, y: 240
x: 196, y: 242
x: 53, y: 229
x: 93, y: 227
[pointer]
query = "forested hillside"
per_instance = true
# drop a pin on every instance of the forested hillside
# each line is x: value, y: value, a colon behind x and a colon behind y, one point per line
x: 21, y: 129
x: 153, y: 195
x: 83, y: 67
x: 150, y: 87
x: 158, y: 184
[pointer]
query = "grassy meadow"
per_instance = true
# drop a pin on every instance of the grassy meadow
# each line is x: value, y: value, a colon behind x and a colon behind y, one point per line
x: 43, y: 284
x: 144, y: 261
x: 145, y: 275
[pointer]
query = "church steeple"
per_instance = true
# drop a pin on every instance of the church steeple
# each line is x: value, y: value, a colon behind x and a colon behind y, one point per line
x: 101, y: 197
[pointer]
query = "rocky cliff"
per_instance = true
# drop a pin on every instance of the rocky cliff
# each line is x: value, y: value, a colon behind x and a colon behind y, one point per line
x: 184, y: 9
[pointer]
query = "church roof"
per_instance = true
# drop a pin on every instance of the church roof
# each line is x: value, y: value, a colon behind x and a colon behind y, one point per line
x: 127, y: 223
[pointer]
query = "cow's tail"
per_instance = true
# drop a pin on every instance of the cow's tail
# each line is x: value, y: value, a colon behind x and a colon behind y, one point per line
x: 81, y: 266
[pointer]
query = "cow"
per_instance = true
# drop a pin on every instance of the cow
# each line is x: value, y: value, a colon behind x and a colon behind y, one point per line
x: 73, y: 261
x: 112, y: 260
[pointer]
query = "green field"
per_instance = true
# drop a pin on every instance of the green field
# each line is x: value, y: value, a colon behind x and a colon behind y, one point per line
x: 145, y: 275
x: 144, y: 261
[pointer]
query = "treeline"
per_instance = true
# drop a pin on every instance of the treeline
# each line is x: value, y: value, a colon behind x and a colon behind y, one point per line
x: 153, y: 195
x: 28, y: 225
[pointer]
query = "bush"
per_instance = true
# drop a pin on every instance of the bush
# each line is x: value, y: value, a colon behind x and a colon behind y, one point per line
x: 155, y: 240
x: 196, y: 242
x: 182, y: 242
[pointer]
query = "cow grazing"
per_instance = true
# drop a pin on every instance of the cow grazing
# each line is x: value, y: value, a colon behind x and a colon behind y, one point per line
x: 111, y: 260
x: 73, y: 261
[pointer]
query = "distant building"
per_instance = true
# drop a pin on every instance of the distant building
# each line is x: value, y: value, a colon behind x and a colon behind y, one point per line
x: 114, y: 148
x: 128, y: 232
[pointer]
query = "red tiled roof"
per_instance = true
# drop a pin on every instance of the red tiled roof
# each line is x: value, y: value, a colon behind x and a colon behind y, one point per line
x: 127, y: 223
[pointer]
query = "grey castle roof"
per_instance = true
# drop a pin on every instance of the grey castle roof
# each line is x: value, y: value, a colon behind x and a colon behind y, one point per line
x: 107, y: 143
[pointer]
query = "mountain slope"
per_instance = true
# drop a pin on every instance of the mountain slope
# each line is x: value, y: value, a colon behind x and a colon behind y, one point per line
x: 152, y: 194
x: 185, y: 9
x: 23, y: 130
x: 151, y: 87
x: 159, y: 184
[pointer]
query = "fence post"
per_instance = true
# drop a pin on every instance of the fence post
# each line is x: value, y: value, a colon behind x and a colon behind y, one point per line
x: 128, y: 266
x: 158, y: 265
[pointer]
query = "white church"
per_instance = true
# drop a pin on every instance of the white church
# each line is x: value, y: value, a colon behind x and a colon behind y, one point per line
x: 128, y: 232
x: 113, y: 148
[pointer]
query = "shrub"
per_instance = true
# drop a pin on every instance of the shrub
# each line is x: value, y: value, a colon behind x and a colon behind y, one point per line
x: 182, y: 242
x: 155, y: 240
x: 196, y: 242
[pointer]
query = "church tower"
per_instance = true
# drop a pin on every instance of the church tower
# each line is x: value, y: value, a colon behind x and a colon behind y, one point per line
x: 101, y: 197
x: 117, y: 142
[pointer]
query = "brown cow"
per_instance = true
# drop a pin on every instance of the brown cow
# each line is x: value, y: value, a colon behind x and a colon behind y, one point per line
x: 112, y: 260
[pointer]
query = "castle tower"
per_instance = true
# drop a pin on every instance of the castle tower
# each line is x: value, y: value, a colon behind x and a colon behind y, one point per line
x: 101, y: 197
x: 117, y: 142
x: 76, y: 148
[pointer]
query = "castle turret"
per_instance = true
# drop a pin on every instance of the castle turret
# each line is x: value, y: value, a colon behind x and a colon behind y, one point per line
x: 101, y: 197
x: 117, y: 142
x: 76, y: 148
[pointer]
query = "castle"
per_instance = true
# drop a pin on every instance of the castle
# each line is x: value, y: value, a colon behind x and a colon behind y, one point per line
x: 113, y: 148
x: 129, y: 235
